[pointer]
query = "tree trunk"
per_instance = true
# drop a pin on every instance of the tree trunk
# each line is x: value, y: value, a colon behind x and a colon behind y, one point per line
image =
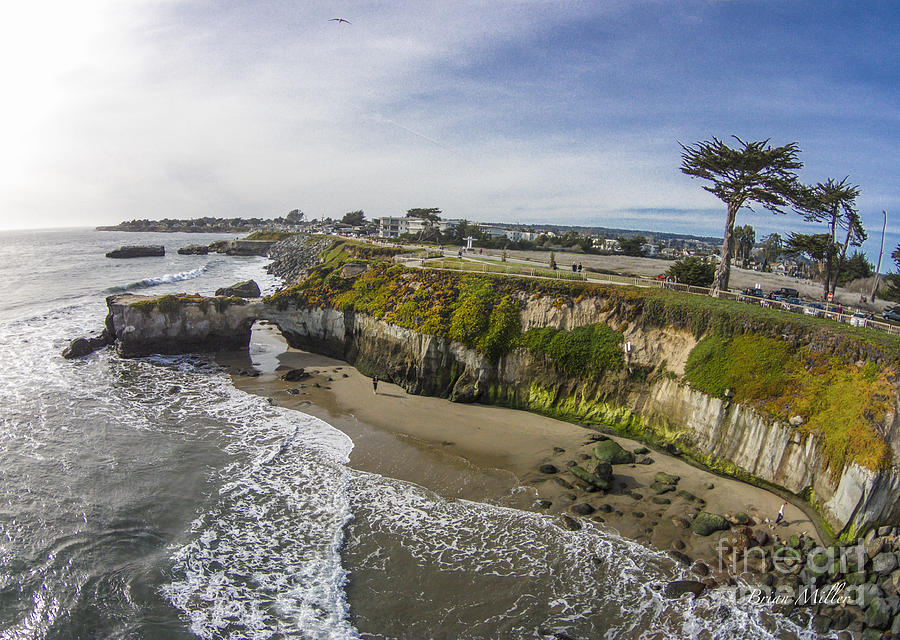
x: 830, y: 254
x: 840, y: 260
x: 720, y: 282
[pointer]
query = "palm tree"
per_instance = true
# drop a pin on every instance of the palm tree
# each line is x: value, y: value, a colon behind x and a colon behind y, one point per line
x: 755, y: 172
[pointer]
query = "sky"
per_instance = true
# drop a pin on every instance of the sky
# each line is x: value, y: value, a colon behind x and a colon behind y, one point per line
x: 511, y: 111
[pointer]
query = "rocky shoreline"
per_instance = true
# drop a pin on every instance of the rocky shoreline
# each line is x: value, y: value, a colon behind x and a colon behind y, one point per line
x: 293, y: 257
x: 853, y: 589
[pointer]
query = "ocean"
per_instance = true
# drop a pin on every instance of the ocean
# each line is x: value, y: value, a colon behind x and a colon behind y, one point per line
x: 149, y: 498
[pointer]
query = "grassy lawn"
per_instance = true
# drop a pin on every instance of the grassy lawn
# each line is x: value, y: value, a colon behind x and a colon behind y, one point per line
x: 492, y: 266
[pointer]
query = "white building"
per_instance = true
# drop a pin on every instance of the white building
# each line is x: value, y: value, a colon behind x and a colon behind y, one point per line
x: 610, y: 245
x: 515, y: 235
x: 396, y: 226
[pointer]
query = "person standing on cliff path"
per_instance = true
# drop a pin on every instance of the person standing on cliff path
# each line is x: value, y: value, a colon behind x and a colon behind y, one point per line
x: 780, y: 516
x: 375, y: 390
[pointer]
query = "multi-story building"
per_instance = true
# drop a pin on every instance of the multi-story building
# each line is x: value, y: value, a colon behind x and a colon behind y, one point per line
x: 396, y: 226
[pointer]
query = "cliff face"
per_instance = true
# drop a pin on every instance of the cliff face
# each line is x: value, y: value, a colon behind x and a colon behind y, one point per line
x: 733, y: 439
x: 179, y: 324
x: 726, y: 436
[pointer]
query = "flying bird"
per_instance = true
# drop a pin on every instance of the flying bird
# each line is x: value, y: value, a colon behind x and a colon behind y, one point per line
x: 339, y: 20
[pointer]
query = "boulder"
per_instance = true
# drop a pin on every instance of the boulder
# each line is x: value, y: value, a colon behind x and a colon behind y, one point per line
x: 548, y: 468
x: 80, y: 347
x: 602, y: 469
x: 705, y: 523
x: 884, y: 563
x: 661, y: 487
x: 878, y: 614
x: 245, y: 289
x: 138, y: 251
x: 796, y: 420
x: 874, y: 547
x: 678, y: 588
x: 666, y: 478
x: 612, y: 452
x: 701, y: 569
x: 821, y: 624
x: 681, y: 558
x: 582, y: 509
x: 295, y: 375
x: 592, y: 479
x: 194, y: 250
x: 570, y: 523
x: 760, y: 537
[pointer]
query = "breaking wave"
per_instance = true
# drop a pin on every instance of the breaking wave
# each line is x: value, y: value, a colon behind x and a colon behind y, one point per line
x: 158, y: 280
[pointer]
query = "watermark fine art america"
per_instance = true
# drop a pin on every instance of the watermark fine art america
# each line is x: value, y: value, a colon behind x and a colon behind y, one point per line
x: 822, y: 575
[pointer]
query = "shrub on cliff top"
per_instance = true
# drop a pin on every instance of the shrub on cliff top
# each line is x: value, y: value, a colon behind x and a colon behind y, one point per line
x: 693, y: 271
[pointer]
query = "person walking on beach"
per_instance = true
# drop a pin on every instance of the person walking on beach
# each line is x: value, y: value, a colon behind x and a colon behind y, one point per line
x: 780, y: 516
x: 375, y: 390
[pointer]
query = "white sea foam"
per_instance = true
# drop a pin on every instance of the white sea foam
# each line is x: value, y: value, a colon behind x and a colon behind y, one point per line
x: 264, y: 559
x: 155, y: 281
x: 588, y: 583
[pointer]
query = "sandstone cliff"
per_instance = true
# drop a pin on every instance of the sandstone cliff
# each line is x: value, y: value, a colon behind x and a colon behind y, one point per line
x: 648, y: 397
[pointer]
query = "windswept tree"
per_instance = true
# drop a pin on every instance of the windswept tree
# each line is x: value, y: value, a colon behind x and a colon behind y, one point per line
x: 432, y: 214
x: 633, y: 246
x: 834, y: 203
x: 754, y: 173
x: 354, y: 218
x: 812, y: 246
x: 295, y: 216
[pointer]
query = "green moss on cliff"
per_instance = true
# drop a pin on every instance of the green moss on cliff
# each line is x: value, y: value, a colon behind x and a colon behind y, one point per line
x: 584, y: 351
x: 843, y: 404
x: 173, y: 303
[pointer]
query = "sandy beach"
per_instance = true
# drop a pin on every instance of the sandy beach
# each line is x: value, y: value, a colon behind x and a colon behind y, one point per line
x: 493, y: 454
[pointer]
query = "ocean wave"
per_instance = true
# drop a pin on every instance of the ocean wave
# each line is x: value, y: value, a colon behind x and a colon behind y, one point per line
x: 158, y: 280
x: 263, y: 558
x: 535, y: 576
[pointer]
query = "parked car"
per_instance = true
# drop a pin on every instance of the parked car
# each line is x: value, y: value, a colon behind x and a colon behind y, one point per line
x: 816, y: 309
x: 892, y: 314
x: 791, y: 304
x: 786, y: 292
x: 753, y: 293
x: 858, y: 320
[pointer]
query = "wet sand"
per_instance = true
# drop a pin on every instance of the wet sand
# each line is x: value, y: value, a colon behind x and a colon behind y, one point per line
x: 493, y: 454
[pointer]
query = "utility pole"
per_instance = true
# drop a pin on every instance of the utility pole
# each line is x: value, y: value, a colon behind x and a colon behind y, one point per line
x: 880, y: 254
